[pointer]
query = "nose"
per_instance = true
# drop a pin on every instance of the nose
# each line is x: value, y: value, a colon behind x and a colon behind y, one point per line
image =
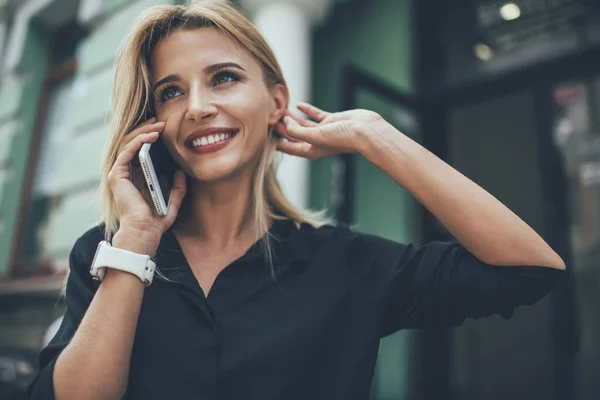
x: 200, y: 106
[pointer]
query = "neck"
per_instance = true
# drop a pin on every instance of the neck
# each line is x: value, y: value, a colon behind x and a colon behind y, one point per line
x: 217, y: 213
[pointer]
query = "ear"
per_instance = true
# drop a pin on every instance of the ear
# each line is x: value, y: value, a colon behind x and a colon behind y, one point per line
x: 280, y: 97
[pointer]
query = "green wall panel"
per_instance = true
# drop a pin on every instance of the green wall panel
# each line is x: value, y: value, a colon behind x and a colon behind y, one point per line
x: 101, y: 48
x: 80, y: 166
x: 111, y: 6
x: 11, y: 94
x: 7, y: 133
x: 77, y: 213
x: 34, y: 63
x: 92, y: 104
x: 375, y: 36
x: 381, y: 206
x: 114, y: 5
x: 3, y: 183
x: 320, y: 184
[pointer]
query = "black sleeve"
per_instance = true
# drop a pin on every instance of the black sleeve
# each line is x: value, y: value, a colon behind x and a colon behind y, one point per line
x: 442, y: 283
x: 80, y: 290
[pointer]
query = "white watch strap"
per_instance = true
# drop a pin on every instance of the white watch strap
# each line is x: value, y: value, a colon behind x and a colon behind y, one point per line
x: 112, y: 257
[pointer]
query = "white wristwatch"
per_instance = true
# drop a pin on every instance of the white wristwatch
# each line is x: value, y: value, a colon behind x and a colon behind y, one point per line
x: 107, y: 256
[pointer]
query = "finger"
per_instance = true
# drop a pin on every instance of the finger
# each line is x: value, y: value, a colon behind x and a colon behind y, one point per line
x: 280, y: 126
x: 176, y: 196
x: 132, y: 148
x: 302, y: 121
x: 148, y: 121
x: 282, y: 131
x: 145, y: 127
x: 312, y: 111
x: 339, y: 116
x: 144, y: 123
x: 300, y: 149
x: 314, y: 135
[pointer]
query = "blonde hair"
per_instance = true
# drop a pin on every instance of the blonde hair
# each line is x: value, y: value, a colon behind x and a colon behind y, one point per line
x: 132, y: 103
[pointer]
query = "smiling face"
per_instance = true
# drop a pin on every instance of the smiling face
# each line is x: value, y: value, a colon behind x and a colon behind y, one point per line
x: 213, y: 98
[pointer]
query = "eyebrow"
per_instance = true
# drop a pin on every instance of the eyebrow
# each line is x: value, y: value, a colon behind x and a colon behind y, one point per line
x: 208, y: 70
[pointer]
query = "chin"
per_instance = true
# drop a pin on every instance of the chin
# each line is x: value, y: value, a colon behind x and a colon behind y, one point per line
x: 212, y: 177
x: 216, y: 171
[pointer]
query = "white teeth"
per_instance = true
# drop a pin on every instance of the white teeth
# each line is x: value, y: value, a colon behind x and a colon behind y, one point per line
x: 210, y: 139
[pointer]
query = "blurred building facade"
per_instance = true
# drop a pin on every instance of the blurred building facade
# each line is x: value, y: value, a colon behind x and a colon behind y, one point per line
x: 508, y: 95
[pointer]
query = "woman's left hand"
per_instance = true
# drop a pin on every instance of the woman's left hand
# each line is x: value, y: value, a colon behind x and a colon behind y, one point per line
x: 331, y: 134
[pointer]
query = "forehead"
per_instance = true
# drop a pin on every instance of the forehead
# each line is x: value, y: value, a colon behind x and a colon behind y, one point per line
x: 197, y: 48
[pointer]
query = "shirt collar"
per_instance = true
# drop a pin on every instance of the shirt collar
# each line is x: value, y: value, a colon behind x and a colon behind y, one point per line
x: 288, y: 241
x: 289, y: 244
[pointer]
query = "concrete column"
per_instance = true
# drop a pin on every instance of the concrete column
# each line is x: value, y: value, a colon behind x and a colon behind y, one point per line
x: 286, y: 26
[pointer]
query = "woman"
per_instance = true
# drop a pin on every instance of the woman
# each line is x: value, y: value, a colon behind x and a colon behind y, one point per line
x: 255, y: 298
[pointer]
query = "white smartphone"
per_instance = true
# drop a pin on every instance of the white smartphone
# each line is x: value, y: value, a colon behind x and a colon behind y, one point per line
x: 152, y: 180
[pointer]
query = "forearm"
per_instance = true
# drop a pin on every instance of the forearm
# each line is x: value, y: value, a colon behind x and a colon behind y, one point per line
x: 95, y: 364
x: 491, y: 231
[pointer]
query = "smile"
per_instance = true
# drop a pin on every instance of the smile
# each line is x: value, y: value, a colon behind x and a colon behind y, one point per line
x: 211, y: 143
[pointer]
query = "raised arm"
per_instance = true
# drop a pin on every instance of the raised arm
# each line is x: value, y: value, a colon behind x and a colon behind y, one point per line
x: 486, y: 227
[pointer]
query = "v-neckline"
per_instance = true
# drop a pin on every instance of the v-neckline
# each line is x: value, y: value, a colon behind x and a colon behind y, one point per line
x: 289, y: 246
x: 251, y: 252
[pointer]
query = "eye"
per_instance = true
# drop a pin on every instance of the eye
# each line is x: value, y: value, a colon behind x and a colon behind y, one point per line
x: 225, y: 77
x: 168, y: 93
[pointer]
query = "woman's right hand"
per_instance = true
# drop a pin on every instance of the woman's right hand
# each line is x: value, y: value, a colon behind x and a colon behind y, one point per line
x: 129, y: 188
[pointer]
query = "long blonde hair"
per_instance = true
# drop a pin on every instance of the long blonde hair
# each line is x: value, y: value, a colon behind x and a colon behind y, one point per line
x: 132, y: 102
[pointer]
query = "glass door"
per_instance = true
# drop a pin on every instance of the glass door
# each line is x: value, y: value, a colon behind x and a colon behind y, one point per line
x: 576, y: 132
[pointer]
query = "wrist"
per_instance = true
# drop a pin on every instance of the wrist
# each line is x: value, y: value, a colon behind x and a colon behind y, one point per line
x: 375, y: 139
x: 141, y: 242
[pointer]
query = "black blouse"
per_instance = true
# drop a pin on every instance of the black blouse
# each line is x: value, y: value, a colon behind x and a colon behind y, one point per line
x: 313, y: 333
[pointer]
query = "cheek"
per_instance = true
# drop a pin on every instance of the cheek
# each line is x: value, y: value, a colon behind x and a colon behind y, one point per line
x: 172, y: 126
x: 260, y: 120
x: 157, y: 107
x: 258, y: 133
x: 169, y: 135
x: 252, y: 105
x: 171, y: 110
